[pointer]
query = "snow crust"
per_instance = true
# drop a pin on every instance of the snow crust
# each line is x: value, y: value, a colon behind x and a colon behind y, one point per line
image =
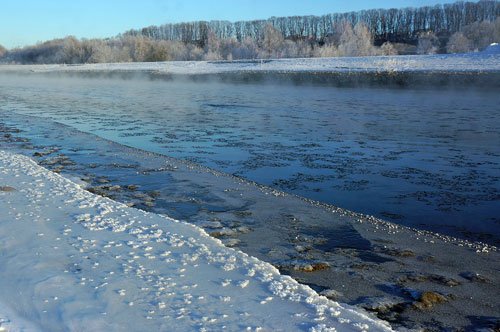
x: 72, y: 260
x: 480, y: 61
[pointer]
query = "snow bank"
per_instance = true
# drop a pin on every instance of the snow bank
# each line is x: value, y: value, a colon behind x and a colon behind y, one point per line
x: 439, y: 63
x: 494, y: 48
x: 71, y: 260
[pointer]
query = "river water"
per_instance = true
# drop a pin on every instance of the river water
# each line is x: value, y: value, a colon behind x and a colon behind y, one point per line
x: 425, y: 157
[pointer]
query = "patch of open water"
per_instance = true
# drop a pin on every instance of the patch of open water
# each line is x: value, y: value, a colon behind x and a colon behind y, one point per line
x: 422, y: 157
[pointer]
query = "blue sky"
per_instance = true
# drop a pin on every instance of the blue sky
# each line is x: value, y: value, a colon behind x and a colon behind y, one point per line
x: 24, y: 22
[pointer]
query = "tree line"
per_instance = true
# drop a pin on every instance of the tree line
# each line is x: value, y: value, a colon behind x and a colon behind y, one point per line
x: 393, y: 25
x: 456, y: 27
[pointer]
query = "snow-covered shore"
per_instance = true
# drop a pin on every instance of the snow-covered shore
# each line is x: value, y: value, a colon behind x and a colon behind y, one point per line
x: 484, y: 62
x: 73, y: 260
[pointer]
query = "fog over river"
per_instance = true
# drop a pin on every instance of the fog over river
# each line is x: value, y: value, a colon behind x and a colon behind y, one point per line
x: 425, y: 157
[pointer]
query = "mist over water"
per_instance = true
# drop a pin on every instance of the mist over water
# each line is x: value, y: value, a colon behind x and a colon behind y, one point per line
x: 426, y: 157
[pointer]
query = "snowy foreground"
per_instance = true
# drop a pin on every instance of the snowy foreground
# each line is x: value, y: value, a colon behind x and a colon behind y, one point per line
x: 71, y: 260
x: 482, y: 61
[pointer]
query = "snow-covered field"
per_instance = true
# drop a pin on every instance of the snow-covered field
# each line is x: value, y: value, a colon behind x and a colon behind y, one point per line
x: 71, y: 260
x: 486, y: 61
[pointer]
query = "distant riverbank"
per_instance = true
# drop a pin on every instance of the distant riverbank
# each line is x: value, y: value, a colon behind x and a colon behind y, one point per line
x: 467, y: 62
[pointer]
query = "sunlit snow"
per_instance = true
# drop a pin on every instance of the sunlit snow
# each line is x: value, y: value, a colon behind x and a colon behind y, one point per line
x: 72, y: 260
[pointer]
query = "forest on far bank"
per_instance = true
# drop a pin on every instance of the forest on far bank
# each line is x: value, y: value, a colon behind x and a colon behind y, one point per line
x: 449, y: 28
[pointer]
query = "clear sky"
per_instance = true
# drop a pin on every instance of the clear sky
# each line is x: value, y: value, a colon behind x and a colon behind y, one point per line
x: 24, y: 22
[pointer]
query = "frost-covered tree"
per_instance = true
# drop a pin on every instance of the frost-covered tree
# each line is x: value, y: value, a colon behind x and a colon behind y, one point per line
x: 179, y: 50
x: 246, y: 49
x: 120, y: 50
x: 158, y: 51
x: 3, y: 50
x: 212, y: 47
x: 325, y: 51
x: 344, y: 34
x: 471, y: 25
x: 301, y: 48
x: 226, y: 48
x: 428, y: 43
x: 75, y: 51
x: 364, y: 39
x: 100, y: 51
x: 394, y: 25
x: 139, y: 48
x: 193, y: 52
x: 388, y: 48
x: 357, y: 41
x: 482, y: 34
x: 458, y: 43
x: 272, y: 43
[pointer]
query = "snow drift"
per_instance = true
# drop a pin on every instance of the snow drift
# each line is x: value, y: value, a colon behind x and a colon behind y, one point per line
x: 72, y: 260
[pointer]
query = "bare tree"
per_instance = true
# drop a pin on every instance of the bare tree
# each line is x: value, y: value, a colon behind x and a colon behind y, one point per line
x: 458, y: 43
x: 428, y: 43
x: 482, y: 34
